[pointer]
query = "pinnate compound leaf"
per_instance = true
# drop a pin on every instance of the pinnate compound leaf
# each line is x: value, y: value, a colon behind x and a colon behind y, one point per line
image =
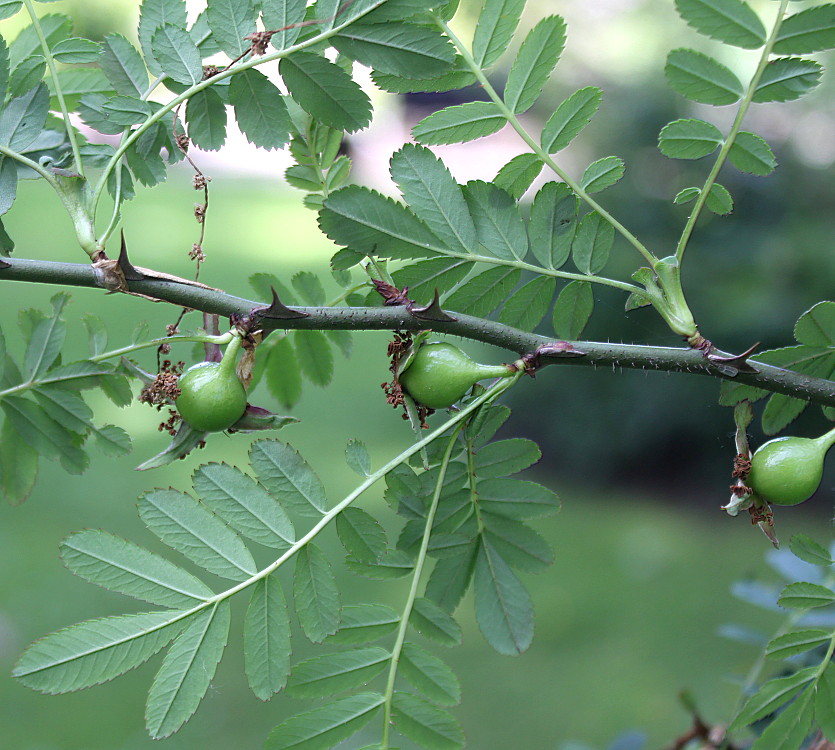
x: 187, y: 670
x: 434, y: 623
x: 498, y: 223
x: 796, y: 643
x: 177, y: 54
x: 719, y: 200
x: 529, y: 304
x: 325, y: 727
x: 570, y: 117
x: 328, y: 674
x: 494, y: 30
x: 426, y: 725
x: 367, y: 221
x: 701, y: 78
x: 688, y: 139
x: 119, y: 565
x: 316, y: 594
x: 516, y: 498
x: 729, y: 21
x: 750, y: 153
x: 363, y: 623
x: 326, y: 91
x: 602, y: 173
x: 267, y: 639
x: 206, y: 119
x: 518, y: 174
x: 434, y: 196
x: 154, y: 14
x: 123, y: 66
x: 808, y: 550
x: 592, y: 243
x: 95, y: 651
x: 804, y: 595
x: 288, y: 477
x: 243, y: 504
x: 459, y: 123
x: 552, y: 224
x: 193, y: 530
x: 810, y: 30
x: 485, y: 292
x: 230, y: 21
x: 363, y: 538
x: 502, y: 605
x: 573, y: 309
x: 401, y: 49
x: 786, y: 79
x: 537, y: 57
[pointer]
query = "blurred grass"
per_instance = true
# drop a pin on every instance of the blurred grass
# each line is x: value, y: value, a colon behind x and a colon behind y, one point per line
x: 625, y: 618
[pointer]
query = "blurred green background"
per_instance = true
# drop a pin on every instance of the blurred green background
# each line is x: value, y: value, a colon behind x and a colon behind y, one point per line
x: 627, y: 616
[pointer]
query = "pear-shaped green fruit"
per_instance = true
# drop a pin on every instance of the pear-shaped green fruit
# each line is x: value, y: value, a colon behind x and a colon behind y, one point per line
x: 788, y: 470
x: 212, y: 398
x: 441, y: 373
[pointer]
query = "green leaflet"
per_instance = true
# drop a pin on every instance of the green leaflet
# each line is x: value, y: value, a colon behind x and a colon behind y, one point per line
x: 260, y: 110
x: 54, y: 26
x: 283, y: 374
x: 325, y: 675
x: 791, y: 727
x: 358, y: 458
x: 495, y: 27
x: 602, y: 173
x: 426, y: 725
x: 484, y: 292
x: 701, y: 78
x: 796, y: 643
x: 450, y: 579
x: 394, y: 564
x: 459, y: 123
x: 503, y: 457
x: 361, y: 535
x: 803, y: 595
x: 315, y: 594
x: 9, y: 7
x: 516, y: 498
x: 688, y: 139
x: 95, y: 651
x: 23, y: 118
x: 553, y: 224
x: 729, y: 21
x: 537, y: 57
x: 518, y: 174
x: 119, y: 565
x: 286, y: 475
x: 570, y: 117
x: 230, y: 21
x: 434, y: 623
x: 314, y: 356
x: 592, y: 243
x: 363, y: 623
x: 187, y: 670
x: 433, y: 679
x: 771, y: 696
x: 719, y: 200
x: 177, y: 54
x: 573, y: 309
x: 75, y: 51
x: 518, y: 544
x: 326, y: 726
x: 808, y: 550
x: 278, y: 14
x: 425, y: 276
x: 123, y: 66
x: 498, y: 223
x: 206, y: 119
x: 309, y: 287
x: 267, y: 639
x: 825, y: 703
x: 810, y: 30
x: 153, y: 15
x: 244, y: 504
x: 786, y: 79
x: 750, y: 153
x: 529, y: 304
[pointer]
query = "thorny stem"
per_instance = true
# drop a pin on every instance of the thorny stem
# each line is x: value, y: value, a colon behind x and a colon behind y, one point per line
x: 729, y: 141
x: 410, y: 599
x: 536, y: 148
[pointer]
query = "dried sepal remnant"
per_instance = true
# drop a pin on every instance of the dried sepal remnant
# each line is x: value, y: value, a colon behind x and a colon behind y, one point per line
x: 164, y: 388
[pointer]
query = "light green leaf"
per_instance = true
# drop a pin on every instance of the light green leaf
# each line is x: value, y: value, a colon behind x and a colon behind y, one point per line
x: 553, y: 224
x: 94, y: 651
x: 326, y: 726
x: 267, y: 639
x: 18, y: 465
x: 791, y: 726
x: 498, y: 223
x: 729, y: 21
x: 803, y: 595
x: 177, y: 54
x: 516, y: 498
x: 4, y: 67
x: 112, y: 440
x: 361, y: 535
x: 326, y: 91
x: 206, y: 119
x: 537, y: 57
x: 54, y: 27
x: 314, y: 356
x: 816, y: 327
x: 429, y: 675
x: 230, y: 21
x: 796, y: 643
x: 517, y: 543
x: 154, y: 14
x: 260, y: 110
x: 193, y: 530
x: 243, y: 504
x: 808, y: 550
x: 687, y: 195
x: 284, y: 15
x: 573, y: 309
x: 570, y: 117
x: 810, y: 30
x: 786, y: 79
x: 602, y: 173
x: 485, y: 292
x: 328, y: 674
x: 23, y: 118
x: 518, y: 174
x: 316, y: 594
x: 288, y: 477
x: 688, y: 139
x: 9, y: 7
x: 356, y: 454
x: 434, y: 197
x: 8, y: 183
x: 46, y: 341
x: 719, y: 200
x: 126, y: 110
x: 459, y: 123
x: 123, y: 66
x: 363, y: 623
x: 187, y: 670
x: 503, y: 606
x: 434, y: 623
x: 283, y: 374
x: 592, y: 243
x: 119, y: 565
x: 494, y: 30
x: 401, y: 49
x: 825, y: 703
x: 528, y: 305
x: 426, y: 725
x: 309, y: 287
x: 76, y: 50
x: 701, y: 78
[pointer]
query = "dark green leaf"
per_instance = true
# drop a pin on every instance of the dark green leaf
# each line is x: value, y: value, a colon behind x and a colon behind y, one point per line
x: 78, y: 82
x: 315, y: 594
x: 786, y: 79
x: 66, y: 408
x: 816, y: 327
x: 505, y: 457
x: 9, y: 7
x: 356, y: 454
x: 206, y: 119
x: 485, y: 292
x: 260, y: 110
x: 394, y: 564
x: 427, y: 726
x: 434, y: 623
x: 177, y: 54
x: 719, y: 200
x: 518, y: 174
x: 809, y: 30
x: 451, y: 578
x: 602, y: 173
x: 536, y: 59
x: 455, y: 79
x: 187, y: 671
x: 460, y: 123
x: 126, y: 110
x: 18, y: 466
x: 791, y: 726
x: 750, y: 153
x: 429, y: 675
x: 825, y: 703
x: 361, y: 535
x: 701, y: 78
x: 495, y: 27
x: 112, y: 440
x: 803, y: 595
x: 230, y: 21
x: 592, y: 243
x: 570, y: 117
x: 326, y: 91
x: 553, y: 224
x: 498, y: 223
x: 267, y: 639
x: 328, y: 674
x: 688, y: 139
x: 528, y: 305
x: 363, y: 623
x: 425, y: 276
x: 516, y: 498
x: 123, y: 66
x: 281, y: 14
x: 286, y: 475
x: 517, y: 543
x: 573, y: 309
x: 54, y: 27
x: 797, y: 642
x: 23, y: 118
x: 729, y: 21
